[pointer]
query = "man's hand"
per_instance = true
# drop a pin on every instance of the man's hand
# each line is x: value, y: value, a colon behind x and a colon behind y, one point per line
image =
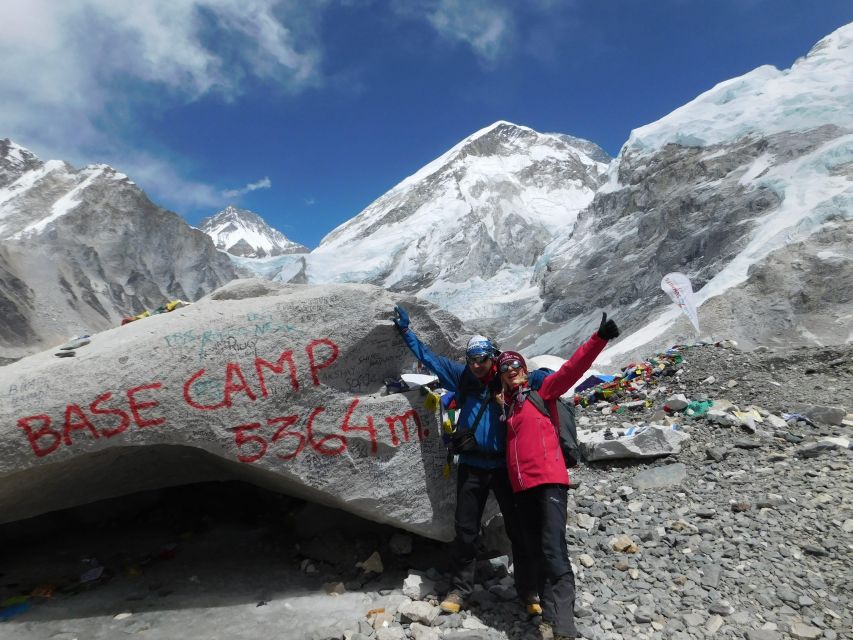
x: 401, y: 319
x: 608, y: 329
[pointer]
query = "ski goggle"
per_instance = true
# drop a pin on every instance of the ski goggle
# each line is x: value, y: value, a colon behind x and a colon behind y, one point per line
x: 512, y: 364
x: 479, y: 359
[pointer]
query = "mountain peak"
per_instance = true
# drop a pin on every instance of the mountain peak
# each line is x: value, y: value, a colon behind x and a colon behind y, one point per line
x: 241, y: 232
x: 15, y: 160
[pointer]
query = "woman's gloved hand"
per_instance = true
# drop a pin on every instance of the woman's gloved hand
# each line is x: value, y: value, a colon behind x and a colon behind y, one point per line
x: 401, y: 319
x: 608, y: 329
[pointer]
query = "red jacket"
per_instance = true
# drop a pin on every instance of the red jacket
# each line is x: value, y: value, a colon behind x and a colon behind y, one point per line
x: 533, y: 455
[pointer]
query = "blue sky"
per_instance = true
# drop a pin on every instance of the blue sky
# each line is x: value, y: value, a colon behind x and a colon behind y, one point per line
x: 307, y: 111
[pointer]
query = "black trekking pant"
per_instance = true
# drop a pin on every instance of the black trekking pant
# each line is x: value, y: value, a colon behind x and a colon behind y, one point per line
x: 472, y: 490
x: 543, y: 514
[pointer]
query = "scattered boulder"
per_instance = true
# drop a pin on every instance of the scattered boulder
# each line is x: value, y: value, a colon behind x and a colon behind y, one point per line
x: 648, y: 442
x: 821, y: 413
x: 417, y: 586
x: 660, y: 477
x: 623, y: 544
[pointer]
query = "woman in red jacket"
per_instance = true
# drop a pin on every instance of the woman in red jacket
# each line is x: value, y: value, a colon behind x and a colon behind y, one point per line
x: 538, y: 473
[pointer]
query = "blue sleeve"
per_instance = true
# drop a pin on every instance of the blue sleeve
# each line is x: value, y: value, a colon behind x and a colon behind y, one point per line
x: 449, y: 371
x: 537, y: 377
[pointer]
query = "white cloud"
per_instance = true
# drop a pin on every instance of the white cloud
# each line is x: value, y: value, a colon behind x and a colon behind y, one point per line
x: 263, y: 183
x: 165, y: 185
x: 486, y: 26
x: 482, y: 24
x: 73, y: 74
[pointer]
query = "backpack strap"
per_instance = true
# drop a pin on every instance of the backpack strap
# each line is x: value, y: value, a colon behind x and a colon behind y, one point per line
x: 539, y: 403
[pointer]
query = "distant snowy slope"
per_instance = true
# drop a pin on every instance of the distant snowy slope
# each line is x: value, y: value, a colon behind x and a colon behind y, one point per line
x: 816, y: 90
x: 751, y: 173
x: 79, y: 249
x: 244, y: 233
x: 465, y: 230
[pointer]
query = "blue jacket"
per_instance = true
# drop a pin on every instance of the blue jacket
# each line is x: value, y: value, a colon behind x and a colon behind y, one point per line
x: 455, y: 376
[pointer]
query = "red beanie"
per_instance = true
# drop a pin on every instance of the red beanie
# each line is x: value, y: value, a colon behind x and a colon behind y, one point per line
x: 509, y: 356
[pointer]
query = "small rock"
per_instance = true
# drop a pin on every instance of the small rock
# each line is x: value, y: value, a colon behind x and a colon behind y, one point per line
x: 122, y: 616
x: 817, y: 449
x: 740, y: 507
x: 624, y: 544
x: 334, y: 588
x: 585, y: 521
x: 821, y: 413
x: 786, y: 594
x: 373, y: 564
x: 419, y: 611
x: 722, y: 607
x: 693, y: 619
x: 731, y: 384
x: 802, y: 631
x: 762, y: 634
x: 713, y: 625
x: 678, y: 402
x: 417, y: 587
x: 422, y: 632
x: 814, y: 550
x: 586, y: 560
x: 473, y: 623
x: 643, y: 616
x: 395, y: 632
x: 743, y: 443
x: 716, y: 453
x: 659, y: 477
x: 711, y: 575
x: 776, y: 422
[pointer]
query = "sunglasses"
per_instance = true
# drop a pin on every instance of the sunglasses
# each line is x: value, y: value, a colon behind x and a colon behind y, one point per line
x: 479, y: 359
x: 512, y: 364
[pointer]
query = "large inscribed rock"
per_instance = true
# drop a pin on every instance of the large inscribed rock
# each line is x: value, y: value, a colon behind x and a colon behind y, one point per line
x: 278, y: 385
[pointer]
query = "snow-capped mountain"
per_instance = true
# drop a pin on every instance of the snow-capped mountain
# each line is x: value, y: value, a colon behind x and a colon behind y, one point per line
x: 466, y: 230
x: 244, y: 233
x: 748, y: 189
x: 80, y: 249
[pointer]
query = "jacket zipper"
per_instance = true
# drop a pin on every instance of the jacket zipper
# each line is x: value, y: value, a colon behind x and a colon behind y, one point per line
x: 515, y: 444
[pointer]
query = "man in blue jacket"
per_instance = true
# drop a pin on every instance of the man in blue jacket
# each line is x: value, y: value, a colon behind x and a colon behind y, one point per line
x: 481, y: 469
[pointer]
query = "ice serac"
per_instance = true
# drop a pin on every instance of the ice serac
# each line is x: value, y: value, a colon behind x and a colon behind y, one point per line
x: 748, y: 190
x: 466, y: 230
x: 80, y: 249
x: 244, y: 233
x: 277, y: 385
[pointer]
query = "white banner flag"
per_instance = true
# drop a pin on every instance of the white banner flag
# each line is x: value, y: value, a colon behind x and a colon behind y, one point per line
x: 678, y: 287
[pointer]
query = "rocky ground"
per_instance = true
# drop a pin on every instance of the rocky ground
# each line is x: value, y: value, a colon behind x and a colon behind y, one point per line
x: 747, y: 532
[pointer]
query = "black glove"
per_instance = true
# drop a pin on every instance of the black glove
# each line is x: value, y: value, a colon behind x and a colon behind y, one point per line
x: 608, y: 329
x: 401, y: 319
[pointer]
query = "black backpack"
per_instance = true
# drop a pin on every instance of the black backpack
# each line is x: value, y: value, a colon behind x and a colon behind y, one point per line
x: 568, y: 431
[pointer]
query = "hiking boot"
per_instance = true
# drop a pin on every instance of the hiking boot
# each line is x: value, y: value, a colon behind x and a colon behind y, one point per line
x: 532, y: 604
x: 452, y: 603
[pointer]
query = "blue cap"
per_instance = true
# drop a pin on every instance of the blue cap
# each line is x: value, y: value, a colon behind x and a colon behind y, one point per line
x: 480, y: 346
